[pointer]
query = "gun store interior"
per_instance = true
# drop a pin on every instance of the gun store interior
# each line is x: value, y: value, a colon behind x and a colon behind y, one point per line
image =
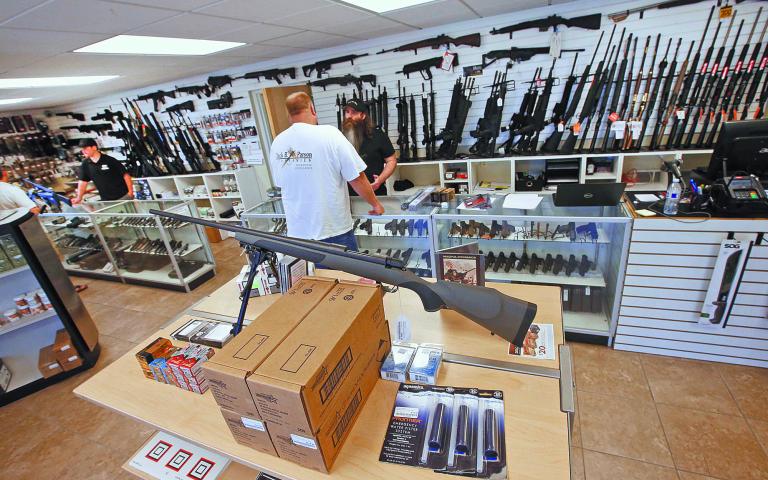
x: 405, y: 239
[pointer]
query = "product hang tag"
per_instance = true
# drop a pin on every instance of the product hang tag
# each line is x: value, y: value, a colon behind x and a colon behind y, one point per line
x: 565, y: 294
x: 618, y: 129
x: 499, y: 102
x: 403, y: 328
x: 680, y: 114
x: 587, y: 291
x: 636, y: 127
x: 448, y: 58
x: 576, y: 128
x: 555, y: 44
x: 561, y: 127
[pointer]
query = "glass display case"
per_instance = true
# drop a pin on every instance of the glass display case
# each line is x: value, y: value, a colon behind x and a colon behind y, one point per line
x: 123, y: 241
x: 581, y: 249
x: 46, y: 334
x: 398, y: 233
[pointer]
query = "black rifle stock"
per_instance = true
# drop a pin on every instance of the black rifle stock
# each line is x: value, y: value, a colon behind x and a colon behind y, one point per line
x: 72, y: 115
x: 158, y: 97
x: 519, y: 54
x: 196, y: 90
x: 589, y: 22
x: 189, y: 106
x: 324, y: 65
x: 425, y: 67
x: 272, y: 74
x: 471, y: 40
x: 345, y: 80
x: 504, y: 316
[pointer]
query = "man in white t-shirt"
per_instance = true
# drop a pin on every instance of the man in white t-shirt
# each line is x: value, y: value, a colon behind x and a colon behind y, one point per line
x: 312, y: 165
x: 12, y: 197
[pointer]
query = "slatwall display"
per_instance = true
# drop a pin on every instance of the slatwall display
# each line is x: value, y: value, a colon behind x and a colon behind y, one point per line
x: 668, y: 271
x: 686, y: 22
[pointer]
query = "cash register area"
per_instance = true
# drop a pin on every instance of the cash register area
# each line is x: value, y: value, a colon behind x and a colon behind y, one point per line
x: 638, y: 416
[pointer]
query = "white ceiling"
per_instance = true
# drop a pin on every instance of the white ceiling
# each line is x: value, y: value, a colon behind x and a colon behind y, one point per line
x: 37, y: 37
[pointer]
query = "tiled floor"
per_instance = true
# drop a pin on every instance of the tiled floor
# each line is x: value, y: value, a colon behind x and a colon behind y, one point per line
x: 639, y: 417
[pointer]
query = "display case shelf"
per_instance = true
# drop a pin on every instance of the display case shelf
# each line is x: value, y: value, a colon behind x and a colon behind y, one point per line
x: 585, y: 322
x: 26, y: 321
x: 594, y: 279
x: 10, y: 273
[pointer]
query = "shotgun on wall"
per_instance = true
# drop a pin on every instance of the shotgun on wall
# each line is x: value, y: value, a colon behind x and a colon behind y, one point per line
x: 504, y: 316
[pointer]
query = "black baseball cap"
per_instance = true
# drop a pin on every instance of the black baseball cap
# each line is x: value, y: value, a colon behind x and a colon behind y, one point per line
x: 356, y: 104
x: 88, y: 142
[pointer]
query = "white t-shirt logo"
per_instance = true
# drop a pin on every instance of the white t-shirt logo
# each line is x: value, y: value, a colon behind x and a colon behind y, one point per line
x: 104, y: 167
x: 295, y: 156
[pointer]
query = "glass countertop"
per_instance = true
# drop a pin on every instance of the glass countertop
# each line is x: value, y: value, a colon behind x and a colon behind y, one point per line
x: 546, y: 208
x: 358, y: 206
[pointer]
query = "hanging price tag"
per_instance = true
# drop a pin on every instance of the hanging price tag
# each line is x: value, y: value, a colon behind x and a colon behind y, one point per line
x: 499, y: 102
x: 680, y: 114
x: 561, y: 127
x: 613, y: 116
x: 448, y: 58
x: 636, y: 127
x: 726, y: 12
x: 576, y: 128
x: 618, y: 129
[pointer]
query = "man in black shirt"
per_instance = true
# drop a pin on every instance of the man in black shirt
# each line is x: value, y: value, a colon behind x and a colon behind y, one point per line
x: 107, y: 173
x: 373, y: 145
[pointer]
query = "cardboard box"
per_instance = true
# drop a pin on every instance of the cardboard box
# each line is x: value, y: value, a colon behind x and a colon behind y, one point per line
x: 250, y: 432
x: 47, y: 363
x: 318, y: 450
x: 228, y: 369
x: 71, y: 362
x: 62, y: 346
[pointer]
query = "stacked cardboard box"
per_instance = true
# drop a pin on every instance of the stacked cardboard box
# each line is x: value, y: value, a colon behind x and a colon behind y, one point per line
x: 65, y: 352
x: 47, y: 362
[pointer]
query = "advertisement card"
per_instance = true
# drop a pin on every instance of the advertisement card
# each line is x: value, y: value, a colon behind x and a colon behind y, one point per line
x: 463, y: 264
x: 539, y: 343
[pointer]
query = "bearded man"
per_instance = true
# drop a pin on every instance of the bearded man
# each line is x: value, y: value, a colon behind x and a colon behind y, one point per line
x: 373, y: 145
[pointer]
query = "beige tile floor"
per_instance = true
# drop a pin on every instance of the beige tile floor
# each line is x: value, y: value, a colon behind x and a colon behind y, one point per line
x: 639, y: 417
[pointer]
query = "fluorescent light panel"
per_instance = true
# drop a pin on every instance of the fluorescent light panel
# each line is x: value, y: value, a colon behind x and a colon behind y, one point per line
x: 143, y: 45
x: 53, y: 81
x: 382, y: 6
x: 11, y: 101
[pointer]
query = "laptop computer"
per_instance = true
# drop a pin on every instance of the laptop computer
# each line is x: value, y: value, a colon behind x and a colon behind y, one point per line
x: 588, y: 195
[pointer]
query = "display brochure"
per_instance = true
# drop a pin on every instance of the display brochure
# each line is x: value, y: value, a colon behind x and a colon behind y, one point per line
x: 291, y: 270
x: 539, y: 343
x: 462, y: 264
x: 724, y: 283
x: 169, y: 457
x: 452, y: 430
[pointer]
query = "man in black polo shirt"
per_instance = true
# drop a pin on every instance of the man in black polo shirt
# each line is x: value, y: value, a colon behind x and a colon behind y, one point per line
x: 107, y: 173
x: 373, y: 145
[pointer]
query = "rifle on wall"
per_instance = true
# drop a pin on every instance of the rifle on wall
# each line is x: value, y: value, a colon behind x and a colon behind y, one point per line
x: 519, y: 54
x: 188, y: 106
x: 471, y: 40
x: 669, y: 95
x: 450, y: 136
x: 324, y: 65
x: 529, y: 134
x: 589, y: 22
x: 630, y: 141
x: 345, y: 80
x: 197, y: 90
x: 488, y: 126
x: 402, y: 124
x: 613, y: 114
x: 425, y: 66
x: 158, y: 98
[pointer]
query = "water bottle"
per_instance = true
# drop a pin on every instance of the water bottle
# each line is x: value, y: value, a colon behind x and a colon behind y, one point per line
x: 673, y: 197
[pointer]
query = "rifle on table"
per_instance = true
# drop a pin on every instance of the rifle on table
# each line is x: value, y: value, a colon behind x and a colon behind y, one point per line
x: 668, y: 95
x: 158, y: 97
x: 425, y: 66
x: 457, y: 117
x: 189, y: 105
x: 109, y: 116
x: 345, y: 80
x: 488, y: 126
x: 72, y: 115
x: 324, y: 65
x: 589, y: 22
x: 471, y: 40
x: 271, y: 74
x: 552, y: 143
x: 507, y: 317
x: 197, y: 90
x: 225, y: 100
x: 519, y: 54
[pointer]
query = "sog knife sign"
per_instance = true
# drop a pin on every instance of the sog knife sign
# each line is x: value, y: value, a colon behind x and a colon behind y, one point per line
x: 724, y: 283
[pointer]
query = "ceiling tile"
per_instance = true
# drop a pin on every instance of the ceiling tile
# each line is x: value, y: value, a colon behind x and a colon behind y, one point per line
x: 433, y: 14
x: 487, y: 8
x: 89, y: 16
x: 180, y: 5
x: 323, y: 19
x: 14, y: 7
x: 10, y: 61
x: 261, y: 10
x: 255, y: 33
x: 386, y: 31
x: 14, y: 41
x: 309, y: 40
x: 363, y: 28
x: 191, y: 25
x: 262, y: 51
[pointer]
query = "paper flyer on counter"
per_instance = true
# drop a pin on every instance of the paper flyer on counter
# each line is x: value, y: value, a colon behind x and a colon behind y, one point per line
x: 539, y: 343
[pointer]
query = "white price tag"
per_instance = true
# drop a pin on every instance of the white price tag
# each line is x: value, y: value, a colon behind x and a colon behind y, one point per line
x: 560, y: 127
x: 636, y: 127
x: 447, y: 64
x: 253, y: 424
x: 587, y: 291
x: 303, y: 441
x: 499, y: 102
x: 565, y: 294
x: 618, y: 128
x: 403, y: 328
x: 406, y: 412
x: 680, y: 114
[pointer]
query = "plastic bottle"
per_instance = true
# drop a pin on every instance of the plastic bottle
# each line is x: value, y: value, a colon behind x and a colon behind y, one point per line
x: 673, y: 197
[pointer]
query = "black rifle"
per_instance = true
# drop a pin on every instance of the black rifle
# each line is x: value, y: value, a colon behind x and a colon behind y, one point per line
x: 218, y: 82
x: 624, y: 143
x: 507, y: 317
x: 384, y: 116
x: 457, y: 117
x: 552, y: 143
x: 746, y: 76
x: 682, y: 97
x: 197, y: 90
x: 613, y: 114
x: 753, y: 87
x: 402, y: 124
x: 558, y: 111
x: 524, y: 116
x: 519, y: 54
x: 471, y: 40
x: 724, y: 88
x: 678, y: 128
x: 414, y: 140
x: 589, y: 22
x: 324, y: 65
x: 589, y: 101
x: 488, y: 126
x: 709, y: 84
x: 109, y: 116
x: 72, y: 115
x: 158, y: 97
x: 530, y: 134
x: 345, y: 80
x: 97, y: 128
x: 649, y: 96
x: 425, y: 67
x: 225, y: 100
x: 428, y: 115
x: 189, y: 105
x: 667, y: 97
x: 339, y: 112
x: 272, y: 74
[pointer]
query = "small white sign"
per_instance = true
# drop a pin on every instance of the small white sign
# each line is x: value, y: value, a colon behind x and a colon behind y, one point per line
x: 406, y: 412
x: 253, y: 424
x: 303, y: 442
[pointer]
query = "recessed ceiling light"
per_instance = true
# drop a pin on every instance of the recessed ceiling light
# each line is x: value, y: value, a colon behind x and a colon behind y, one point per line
x: 11, y: 101
x: 143, y: 45
x: 53, y: 81
x: 381, y: 6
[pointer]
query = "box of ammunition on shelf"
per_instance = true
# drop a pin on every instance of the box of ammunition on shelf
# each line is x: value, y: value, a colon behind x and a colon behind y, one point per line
x: 251, y: 432
x: 71, y: 362
x: 425, y: 364
x: 159, y: 348
x: 442, y: 195
x: 5, y: 377
x: 395, y: 366
x: 47, y: 363
x: 229, y: 369
x: 187, y: 366
x: 62, y: 346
